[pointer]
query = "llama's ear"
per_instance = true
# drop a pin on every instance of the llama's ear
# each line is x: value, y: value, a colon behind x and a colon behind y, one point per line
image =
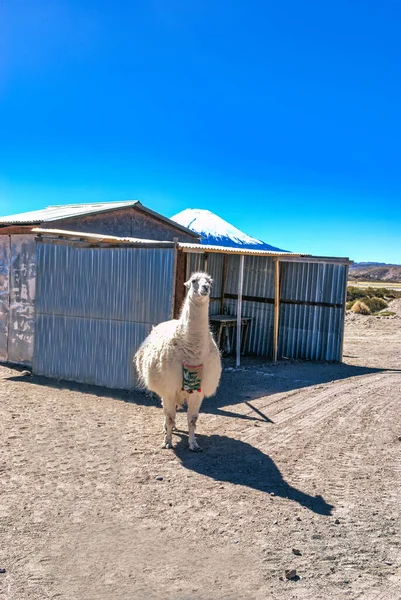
x: 188, y: 284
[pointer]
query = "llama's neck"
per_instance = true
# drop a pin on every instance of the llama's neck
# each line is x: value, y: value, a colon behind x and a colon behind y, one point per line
x: 194, y: 321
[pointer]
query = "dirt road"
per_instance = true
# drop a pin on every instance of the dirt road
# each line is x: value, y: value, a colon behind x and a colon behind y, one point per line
x: 298, y: 456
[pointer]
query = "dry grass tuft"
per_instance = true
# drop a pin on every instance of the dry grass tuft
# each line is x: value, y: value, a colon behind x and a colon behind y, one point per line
x: 360, y: 308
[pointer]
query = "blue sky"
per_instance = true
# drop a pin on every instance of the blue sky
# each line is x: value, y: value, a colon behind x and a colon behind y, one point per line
x: 281, y: 117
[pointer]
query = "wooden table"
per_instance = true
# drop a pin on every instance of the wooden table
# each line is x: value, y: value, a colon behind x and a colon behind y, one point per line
x: 223, y: 323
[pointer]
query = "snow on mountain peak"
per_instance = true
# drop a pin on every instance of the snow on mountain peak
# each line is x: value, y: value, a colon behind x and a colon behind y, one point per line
x: 216, y: 231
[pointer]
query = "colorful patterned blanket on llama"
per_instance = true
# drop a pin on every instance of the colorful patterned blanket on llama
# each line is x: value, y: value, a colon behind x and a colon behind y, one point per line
x: 191, y: 378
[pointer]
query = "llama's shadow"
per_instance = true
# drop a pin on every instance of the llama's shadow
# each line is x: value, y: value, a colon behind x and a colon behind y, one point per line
x: 232, y: 461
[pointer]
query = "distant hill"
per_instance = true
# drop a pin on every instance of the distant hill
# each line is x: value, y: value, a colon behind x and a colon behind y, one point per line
x: 370, y: 271
x: 216, y: 231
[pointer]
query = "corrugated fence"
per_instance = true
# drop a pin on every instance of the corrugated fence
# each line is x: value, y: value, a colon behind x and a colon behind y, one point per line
x: 94, y: 307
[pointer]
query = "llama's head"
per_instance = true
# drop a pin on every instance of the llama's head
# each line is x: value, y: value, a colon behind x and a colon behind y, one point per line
x: 199, y: 285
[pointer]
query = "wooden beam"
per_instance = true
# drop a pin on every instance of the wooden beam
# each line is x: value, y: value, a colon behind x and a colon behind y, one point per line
x: 205, y: 262
x: 346, y: 267
x: 16, y: 229
x: 276, y: 307
x: 175, y: 240
x: 239, y: 309
x: 223, y: 284
x: 282, y: 301
x: 179, y: 283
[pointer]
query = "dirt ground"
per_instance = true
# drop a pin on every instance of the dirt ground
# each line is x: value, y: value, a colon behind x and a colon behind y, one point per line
x: 297, y: 456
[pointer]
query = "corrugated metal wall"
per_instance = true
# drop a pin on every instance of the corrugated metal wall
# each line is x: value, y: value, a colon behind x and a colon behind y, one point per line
x: 17, y: 296
x: 308, y: 332
x: 4, y: 294
x: 22, y: 299
x: 95, y: 306
x: 311, y: 332
x: 259, y: 282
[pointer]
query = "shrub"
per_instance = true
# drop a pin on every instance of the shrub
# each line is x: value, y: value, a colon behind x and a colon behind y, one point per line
x: 349, y: 304
x: 356, y: 293
x: 375, y: 304
x: 360, y: 308
x: 353, y: 293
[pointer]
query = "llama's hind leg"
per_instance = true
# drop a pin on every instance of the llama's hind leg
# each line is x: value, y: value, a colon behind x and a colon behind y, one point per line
x: 169, y: 421
x: 194, y: 404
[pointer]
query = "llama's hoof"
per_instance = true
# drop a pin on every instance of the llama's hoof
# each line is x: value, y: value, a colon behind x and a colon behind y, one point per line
x: 195, y: 448
x: 167, y: 445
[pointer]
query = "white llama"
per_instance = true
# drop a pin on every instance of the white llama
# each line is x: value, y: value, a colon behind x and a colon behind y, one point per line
x: 180, y: 361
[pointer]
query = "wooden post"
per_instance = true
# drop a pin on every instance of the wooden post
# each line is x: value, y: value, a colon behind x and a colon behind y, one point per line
x: 223, y: 284
x: 179, y: 282
x: 187, y: 271
x: 276, y: 307
x: 239, y: 309
x: 344, y: 308
x: 175, y: 240
x: 205, y: 261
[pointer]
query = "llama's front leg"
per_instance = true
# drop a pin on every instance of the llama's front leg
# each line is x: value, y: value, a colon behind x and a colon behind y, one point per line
x: 194, y: 404
x: 169, y: 421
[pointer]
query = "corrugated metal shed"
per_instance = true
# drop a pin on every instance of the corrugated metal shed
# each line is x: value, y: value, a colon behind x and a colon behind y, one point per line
x: 98, y: 296
x: 311, y: 300
x: 18, y: 256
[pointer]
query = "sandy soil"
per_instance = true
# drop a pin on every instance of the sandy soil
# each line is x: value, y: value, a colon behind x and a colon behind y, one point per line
x: 298, y: 456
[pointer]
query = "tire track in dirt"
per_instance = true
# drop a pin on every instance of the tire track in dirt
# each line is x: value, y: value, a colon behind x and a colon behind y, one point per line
x: 303, y: 415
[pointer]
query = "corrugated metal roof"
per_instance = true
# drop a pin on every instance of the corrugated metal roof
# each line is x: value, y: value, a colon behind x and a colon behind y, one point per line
x: 289, y: 256
x: 97, y: 237
x: 185, y: 246
x: 66, y: 211
x: 228, y: 250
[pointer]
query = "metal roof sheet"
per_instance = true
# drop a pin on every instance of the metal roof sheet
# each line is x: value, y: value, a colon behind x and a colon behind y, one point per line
x: 190, y: 247
x: 97, y: 237
x: 231, y: 250
x: 185, y: 246
x: 65, y: 211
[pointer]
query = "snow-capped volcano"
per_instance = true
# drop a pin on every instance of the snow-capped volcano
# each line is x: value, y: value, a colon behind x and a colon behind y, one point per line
x: 217, y: 232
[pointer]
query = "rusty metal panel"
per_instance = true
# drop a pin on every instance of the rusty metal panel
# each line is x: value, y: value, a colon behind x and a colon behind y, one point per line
x: 22, y: 299
x: 4, y: 294
x: 94, y: 308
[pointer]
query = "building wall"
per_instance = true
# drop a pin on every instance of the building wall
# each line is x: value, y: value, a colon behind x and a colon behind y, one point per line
x: 94, y: 308
x: 124, y: 222
x: 17, y: 297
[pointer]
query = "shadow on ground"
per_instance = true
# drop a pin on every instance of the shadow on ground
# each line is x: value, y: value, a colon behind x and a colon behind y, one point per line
x: 255, y: 379
x: 229, y: 460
